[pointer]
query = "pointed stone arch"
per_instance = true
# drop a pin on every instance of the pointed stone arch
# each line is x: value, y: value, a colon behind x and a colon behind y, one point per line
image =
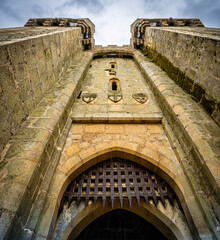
x: 84, y: 159
x: 79, y: 218
x: 148, y: 158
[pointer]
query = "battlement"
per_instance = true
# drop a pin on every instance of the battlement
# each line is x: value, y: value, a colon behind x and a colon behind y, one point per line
x: 139, y: 25
x: 87, y: 27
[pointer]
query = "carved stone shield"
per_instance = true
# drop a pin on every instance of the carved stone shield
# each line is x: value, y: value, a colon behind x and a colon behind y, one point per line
x: 140, y: 97
x: 115, y: 97
x: 88, y: 97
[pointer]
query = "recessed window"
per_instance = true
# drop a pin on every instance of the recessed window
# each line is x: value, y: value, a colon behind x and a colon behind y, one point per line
x: 114, y: 86
x: 86, y: 35
x: 112, y: 65
x: 112, y: 55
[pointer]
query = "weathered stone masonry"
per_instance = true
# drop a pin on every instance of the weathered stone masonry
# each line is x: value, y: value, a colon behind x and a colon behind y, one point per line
x: 60, y: 135
x: 190, y: 58
x: 29, y: 68
x: 37, y: 139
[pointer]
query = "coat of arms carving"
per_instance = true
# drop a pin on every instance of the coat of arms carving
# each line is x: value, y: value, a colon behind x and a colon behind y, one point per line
x: 115, y: 97
x: 140, y: 97
x: 89, y: 97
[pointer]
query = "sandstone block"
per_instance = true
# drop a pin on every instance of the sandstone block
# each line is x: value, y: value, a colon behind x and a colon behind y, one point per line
x: 94, y: 128
x: 71, y: 150
x: 114, y: 128
x: 155, y: 128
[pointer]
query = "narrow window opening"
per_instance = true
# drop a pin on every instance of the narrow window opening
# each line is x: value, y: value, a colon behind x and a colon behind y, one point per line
x: 114, y: 86
x: 112, y: 55
x: 113, y: 66
x: 127, y: 57
x: 98, y: 56
x: 153, y: 24
x: 86, y: 35
x: 78, y: 97
x: 72, y: 24
x: 86, y: 46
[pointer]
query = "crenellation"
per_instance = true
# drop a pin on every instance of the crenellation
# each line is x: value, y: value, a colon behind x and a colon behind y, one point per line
x: 193, y: 66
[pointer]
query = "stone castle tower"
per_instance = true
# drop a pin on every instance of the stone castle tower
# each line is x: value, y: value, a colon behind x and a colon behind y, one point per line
x: 110, y: 142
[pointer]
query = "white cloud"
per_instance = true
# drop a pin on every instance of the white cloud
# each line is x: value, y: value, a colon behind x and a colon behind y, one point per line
x: 112, y: 18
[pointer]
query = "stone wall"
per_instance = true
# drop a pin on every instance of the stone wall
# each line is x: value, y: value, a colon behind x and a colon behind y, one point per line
x: 102, y: 141
x: 190, y: 56
x: 193, y: 134
x: 42, y: 157
x: 131, y: 81
x: 29, y: 67
x: 26, y: 161
x: 30, y: 157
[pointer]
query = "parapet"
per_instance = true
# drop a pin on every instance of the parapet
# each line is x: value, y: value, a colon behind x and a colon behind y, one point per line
x: 87, y: 27
x: 139, y: 25
x: 188, y: 52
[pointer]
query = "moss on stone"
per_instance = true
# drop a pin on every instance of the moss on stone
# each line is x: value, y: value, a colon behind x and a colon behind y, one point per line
x: 208, y: 104
x: 48, y: 54
x: 38, y: 111
x: 187, y: 85
x: 2, y: 164
x: 181, y: 79
x: 198, y: 92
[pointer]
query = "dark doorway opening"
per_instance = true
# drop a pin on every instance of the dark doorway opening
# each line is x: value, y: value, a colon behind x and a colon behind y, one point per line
x: 120, y: 225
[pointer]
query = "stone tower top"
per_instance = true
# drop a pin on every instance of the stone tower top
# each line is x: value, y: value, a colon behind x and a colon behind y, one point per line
x: 139, y: 25
x: 87, y: 27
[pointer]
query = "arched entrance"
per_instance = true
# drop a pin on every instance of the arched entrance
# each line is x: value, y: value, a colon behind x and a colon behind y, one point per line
x: 119, y: 224
x: 119, y: 184
x: 118, y: 178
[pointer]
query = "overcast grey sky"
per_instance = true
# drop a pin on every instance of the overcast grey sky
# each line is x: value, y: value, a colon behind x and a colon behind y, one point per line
x: 112, y: 18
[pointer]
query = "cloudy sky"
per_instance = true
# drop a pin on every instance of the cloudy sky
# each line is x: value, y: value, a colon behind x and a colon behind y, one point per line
x: 112, y: 18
